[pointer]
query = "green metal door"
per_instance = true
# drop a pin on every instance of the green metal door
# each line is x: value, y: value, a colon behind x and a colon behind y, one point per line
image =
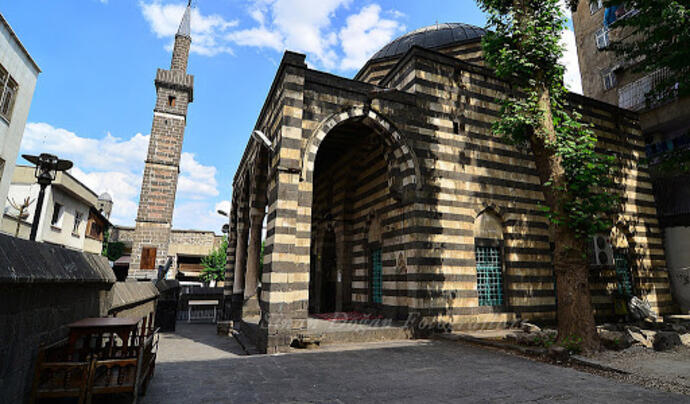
x: 623, y: 274
x: 489, y: 276
x: 376, y: 277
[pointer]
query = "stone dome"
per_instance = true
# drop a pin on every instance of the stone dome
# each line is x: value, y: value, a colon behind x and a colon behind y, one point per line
x: 431, y: 37
x: 105, y: 197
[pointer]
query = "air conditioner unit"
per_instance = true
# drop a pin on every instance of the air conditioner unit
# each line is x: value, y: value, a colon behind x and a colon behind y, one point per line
x: 602, y: 250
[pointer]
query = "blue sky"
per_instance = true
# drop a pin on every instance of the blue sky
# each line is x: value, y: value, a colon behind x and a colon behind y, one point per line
x: 94, y: 100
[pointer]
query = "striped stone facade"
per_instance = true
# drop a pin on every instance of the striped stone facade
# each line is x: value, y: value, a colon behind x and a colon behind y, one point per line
x: 375, y: 70
x: 409, y: 167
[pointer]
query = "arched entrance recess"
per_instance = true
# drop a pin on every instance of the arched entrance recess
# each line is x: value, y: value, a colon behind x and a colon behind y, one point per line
x: 401, y: 158
x: 356, y: 164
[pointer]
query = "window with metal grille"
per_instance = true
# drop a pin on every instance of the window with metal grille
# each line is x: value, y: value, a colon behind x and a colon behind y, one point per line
x: 8, y: 93
x: 489, y: 276
x: 595, y: 6
x: 78, y: 218
x: 376, y: 277
x: 602, y: 38
x: 610, y: 79
x: 623, y: 274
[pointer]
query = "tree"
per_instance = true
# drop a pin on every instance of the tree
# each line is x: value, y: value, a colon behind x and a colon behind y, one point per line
x: 658, y: 37
x: 214, y: 263
x: 22, y: 211
x: 523, y: 47
x: 112, y: 250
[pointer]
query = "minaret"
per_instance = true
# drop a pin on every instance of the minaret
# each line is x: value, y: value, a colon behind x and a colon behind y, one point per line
x: 175, y: 90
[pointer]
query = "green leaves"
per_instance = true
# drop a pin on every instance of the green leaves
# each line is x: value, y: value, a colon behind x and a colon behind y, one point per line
x: 523, y: 47
x: 214, y: 263
x: 657, y: 38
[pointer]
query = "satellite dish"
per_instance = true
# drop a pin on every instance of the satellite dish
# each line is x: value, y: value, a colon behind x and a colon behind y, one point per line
x: 260, y: 137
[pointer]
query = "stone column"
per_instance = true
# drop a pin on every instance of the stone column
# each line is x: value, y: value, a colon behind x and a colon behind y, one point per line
x: 240, y: 266
x: 285, y: 280
x: 230, y: 264
x: 251, y: 298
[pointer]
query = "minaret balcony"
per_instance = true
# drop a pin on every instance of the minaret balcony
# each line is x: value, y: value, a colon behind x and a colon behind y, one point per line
x: 177, y: 80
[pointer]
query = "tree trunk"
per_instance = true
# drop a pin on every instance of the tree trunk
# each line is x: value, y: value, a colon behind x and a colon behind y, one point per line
x: 571, y: 267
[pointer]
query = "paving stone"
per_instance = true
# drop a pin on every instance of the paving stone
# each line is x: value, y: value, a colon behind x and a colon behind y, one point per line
x: 196, y: 365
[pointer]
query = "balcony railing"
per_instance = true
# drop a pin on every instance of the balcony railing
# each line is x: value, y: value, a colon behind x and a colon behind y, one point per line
x: 634, y: 95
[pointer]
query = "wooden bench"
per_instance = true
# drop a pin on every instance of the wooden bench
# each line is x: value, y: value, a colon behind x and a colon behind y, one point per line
x: 110, y: 365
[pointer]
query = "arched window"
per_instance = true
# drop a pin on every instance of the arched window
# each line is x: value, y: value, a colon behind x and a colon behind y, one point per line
x: 488, y: 242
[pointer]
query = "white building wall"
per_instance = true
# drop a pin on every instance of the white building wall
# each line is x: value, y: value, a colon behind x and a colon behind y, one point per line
x: 61, y: 233
x: 22, y: 69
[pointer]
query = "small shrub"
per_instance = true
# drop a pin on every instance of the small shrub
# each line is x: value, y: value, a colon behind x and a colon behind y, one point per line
x: 573, y: 344
x: 544, y: 340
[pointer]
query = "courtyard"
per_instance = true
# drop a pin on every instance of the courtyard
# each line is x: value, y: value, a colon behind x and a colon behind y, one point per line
x: 196, y: 366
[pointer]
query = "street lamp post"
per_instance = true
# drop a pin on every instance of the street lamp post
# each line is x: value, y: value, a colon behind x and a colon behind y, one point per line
x: 47, y: 167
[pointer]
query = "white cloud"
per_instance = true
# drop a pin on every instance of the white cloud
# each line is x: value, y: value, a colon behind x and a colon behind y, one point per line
x: 573, y: 80
x: 115, y: 165
x: 207, y: 30
x: 364, y: 34
x: 307, y: 26
x: 130, y: 152
x: 122, y: 186
x: 196, y: 181
x: 260, y: 37
x: 198, y: 215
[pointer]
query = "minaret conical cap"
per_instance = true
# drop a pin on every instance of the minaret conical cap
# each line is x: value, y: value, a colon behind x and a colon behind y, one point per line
x: 186, y: 25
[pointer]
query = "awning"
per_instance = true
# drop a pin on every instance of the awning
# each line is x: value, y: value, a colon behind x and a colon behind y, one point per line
x: 122, y: 261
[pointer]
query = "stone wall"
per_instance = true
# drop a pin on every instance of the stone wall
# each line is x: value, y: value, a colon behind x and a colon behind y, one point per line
x: 375, y: 71
x: 133, y: 299
x: 42, y: 289
x: 188, y: 239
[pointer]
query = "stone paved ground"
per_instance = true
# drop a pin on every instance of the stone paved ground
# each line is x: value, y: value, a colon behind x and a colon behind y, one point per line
x: 195, y: 366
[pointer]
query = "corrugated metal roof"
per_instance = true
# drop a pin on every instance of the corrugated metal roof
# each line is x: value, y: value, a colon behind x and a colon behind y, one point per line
x: 433, y: 36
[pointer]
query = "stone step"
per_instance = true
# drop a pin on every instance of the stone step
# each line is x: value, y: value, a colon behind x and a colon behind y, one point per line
x: 486, y: 321
x: 351, y: 333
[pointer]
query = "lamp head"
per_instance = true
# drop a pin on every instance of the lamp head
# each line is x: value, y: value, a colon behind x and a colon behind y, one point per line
x: 260, y: 137
x: 47, y: 166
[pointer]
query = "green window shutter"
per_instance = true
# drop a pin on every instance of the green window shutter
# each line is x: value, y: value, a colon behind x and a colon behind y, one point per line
x: 376, y: 277
x: 623, y: 274
x: 489, y: 276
